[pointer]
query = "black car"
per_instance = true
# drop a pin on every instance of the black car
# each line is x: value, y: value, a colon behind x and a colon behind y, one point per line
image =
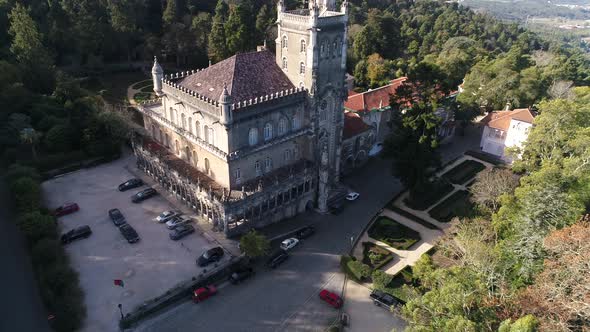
x: 210, y: 256
x: 383, y: 299
x: 143, y: 195
x: 277, y: 258
x: 76, y: 233
x: 181, y: 231
x: 241, y: 275
x: 117, y: 217
x: 305, y: 232
x: 130, y: 184
x: 129, y: 233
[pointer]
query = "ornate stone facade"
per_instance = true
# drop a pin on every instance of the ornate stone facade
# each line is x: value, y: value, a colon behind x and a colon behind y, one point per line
x: 255, y: 138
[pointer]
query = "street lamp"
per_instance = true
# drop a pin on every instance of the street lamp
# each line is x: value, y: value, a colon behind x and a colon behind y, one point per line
x: 120, y: 309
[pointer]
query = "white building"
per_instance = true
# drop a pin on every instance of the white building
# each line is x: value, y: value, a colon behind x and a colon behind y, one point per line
x: 505, y: 129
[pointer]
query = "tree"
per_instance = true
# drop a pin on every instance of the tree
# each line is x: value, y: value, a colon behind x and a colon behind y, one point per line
x: 559, y: 296
x: 217, y: 44
x: 126, y: 16
x: 381, y: 279
x: 36, y: 226
x: 26, y: 193
x: 171, y: 13
x: 528, y: 323
x: 58, y: 139
x: 239, y: 28
x: 379, y: 71
x: 264, y: 21
x: 254, y: 244
x: 489, y: 185
x: 31, y: 137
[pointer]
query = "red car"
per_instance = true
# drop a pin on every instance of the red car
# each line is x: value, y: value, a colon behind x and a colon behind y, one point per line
x: 67, y: 208
x: 331, y: 298
x: 203, y: 293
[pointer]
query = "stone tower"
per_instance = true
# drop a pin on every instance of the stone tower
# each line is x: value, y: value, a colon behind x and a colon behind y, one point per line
x: 311, y: 50
x: 157, y: 75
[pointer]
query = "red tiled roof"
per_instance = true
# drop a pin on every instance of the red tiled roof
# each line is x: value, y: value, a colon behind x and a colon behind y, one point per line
x: 501, y: 119
x: 353, y: 125
x: 373, y: 99
x: 246, y: 75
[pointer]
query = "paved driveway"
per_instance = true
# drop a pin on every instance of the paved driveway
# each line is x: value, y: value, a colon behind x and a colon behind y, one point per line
x: 286, y: 299
x: 148, y: 268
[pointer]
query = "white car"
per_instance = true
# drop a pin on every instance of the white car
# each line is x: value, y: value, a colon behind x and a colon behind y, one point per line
x: 352, y: 196
x: 376, y: 149
x: 167, y: 215
x: 289, y: 243
x: 176, y: 221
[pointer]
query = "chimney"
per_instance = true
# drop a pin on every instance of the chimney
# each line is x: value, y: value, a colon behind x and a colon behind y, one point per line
x: 508, y: 107
x: 262, y: 47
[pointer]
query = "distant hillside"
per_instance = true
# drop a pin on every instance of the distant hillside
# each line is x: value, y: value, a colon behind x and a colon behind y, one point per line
x: 520, y: 10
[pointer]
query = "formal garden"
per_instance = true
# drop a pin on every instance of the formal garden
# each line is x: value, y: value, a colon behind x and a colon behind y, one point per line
x: 144, y: 90
x: 456, y: 205
x: 393, y: 233
x: 376, y: 256
x: 463, y: 172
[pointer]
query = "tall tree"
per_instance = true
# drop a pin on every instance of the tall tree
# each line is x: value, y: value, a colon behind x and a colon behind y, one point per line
x: 239, y: 28
x: 264, y: 20
x: 125, y: 17
x: 217, y: 45
x: 171, y: 13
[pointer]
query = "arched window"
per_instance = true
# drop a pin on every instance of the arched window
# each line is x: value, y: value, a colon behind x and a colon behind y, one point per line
x: 335, y: 49
x: 188, y: 154
x: 302, y: 67
x: 167, y: 141
x: 267, y: 131
x: 161, y: 140
x: 171, y: 114
x: 207, y: 166
x: 211, y: 136
x: 237, y: 175
x: 198, y: 129
x: 176, y: 147
x: 295, y: 125
x: 175, y: 121
x: 253, y: 136
x: 282, y: 126
x: 154, y: 132
x: 284, y: 42
x: 323, y: 49
x: 195, y: 158
x: 183, y: 120
x: 339, y: 47
x: 285, y: 63
x: 268, y: 164
x: 301, y: 85
x: 258, y: 168
x: 206, y: 133
x: 323, y: 115
x: 288, y: 155
x: 190, y: 125
x: 303, y: 46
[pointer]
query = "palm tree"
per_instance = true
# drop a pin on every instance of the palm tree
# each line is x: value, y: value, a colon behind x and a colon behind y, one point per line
x: 30, y: 136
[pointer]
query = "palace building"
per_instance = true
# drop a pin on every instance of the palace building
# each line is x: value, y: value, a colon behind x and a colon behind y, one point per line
x: 255, y: 138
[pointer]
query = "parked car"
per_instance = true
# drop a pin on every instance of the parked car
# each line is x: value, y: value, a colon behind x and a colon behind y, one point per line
x: 177, y: 221
x: 210, y: 256
x: 241, y: 275
x: 383, y: 299
x: 81, y: 232
x: 129, y: 233
x: 167, y: 215
x: 289, y: 243
x: 277, y: 259
x: 66, y: 208
x: 117, y: 217
x: 352, y: 196
x: 203, y: 293
x: 332, y: 299
x: 181, y: 231
x: 305, y: 232
x: 376, y: 149
x: 143, y: 195
x: 130, y: 184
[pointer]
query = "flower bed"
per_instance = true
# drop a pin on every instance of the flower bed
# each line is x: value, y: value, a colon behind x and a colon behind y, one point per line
x: 464, y: 171
x: 393, y: 233
x: 455, y: 205
x: 375, y: 256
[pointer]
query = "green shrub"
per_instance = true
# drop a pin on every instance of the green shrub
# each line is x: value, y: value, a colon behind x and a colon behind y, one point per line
x: 381, y: 279
x: 26, y: 193
x: 423, y: 197
x: 58, y: 138
x: 16, y: 171
x: 46, y: 251
x: 464, y: 171
x: 354, y: 269
x: 36, y: 226
x: 456, y: 205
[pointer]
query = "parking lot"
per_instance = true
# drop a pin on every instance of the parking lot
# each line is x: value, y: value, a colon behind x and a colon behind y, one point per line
x: 148, y: 268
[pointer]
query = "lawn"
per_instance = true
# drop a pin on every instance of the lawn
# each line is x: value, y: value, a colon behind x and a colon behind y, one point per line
x: 142, y: 96
x: 113, y: 87
x: 456, y: 205
x: 422, y: 198
x: 393, y: 233
x: 375, y: 256
x: 464, y: 171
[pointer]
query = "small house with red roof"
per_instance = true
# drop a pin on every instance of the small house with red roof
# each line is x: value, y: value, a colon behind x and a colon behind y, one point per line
x: 357, y: 140
x: 505, y: 129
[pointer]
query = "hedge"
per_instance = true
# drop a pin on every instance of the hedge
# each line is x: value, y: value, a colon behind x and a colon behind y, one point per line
x: 412, y: 217
x: 455, y: 205
x: 369, y: 247
x: 485, y: 157
x: 354, y: 269
x: 463, y: 172
x: 393, y: 233
x: 422, y: 198
x: 58, y: 283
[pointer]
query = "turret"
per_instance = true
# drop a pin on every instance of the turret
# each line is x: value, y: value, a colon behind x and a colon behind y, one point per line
x: 225, y: 104
x: 157, y: 75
